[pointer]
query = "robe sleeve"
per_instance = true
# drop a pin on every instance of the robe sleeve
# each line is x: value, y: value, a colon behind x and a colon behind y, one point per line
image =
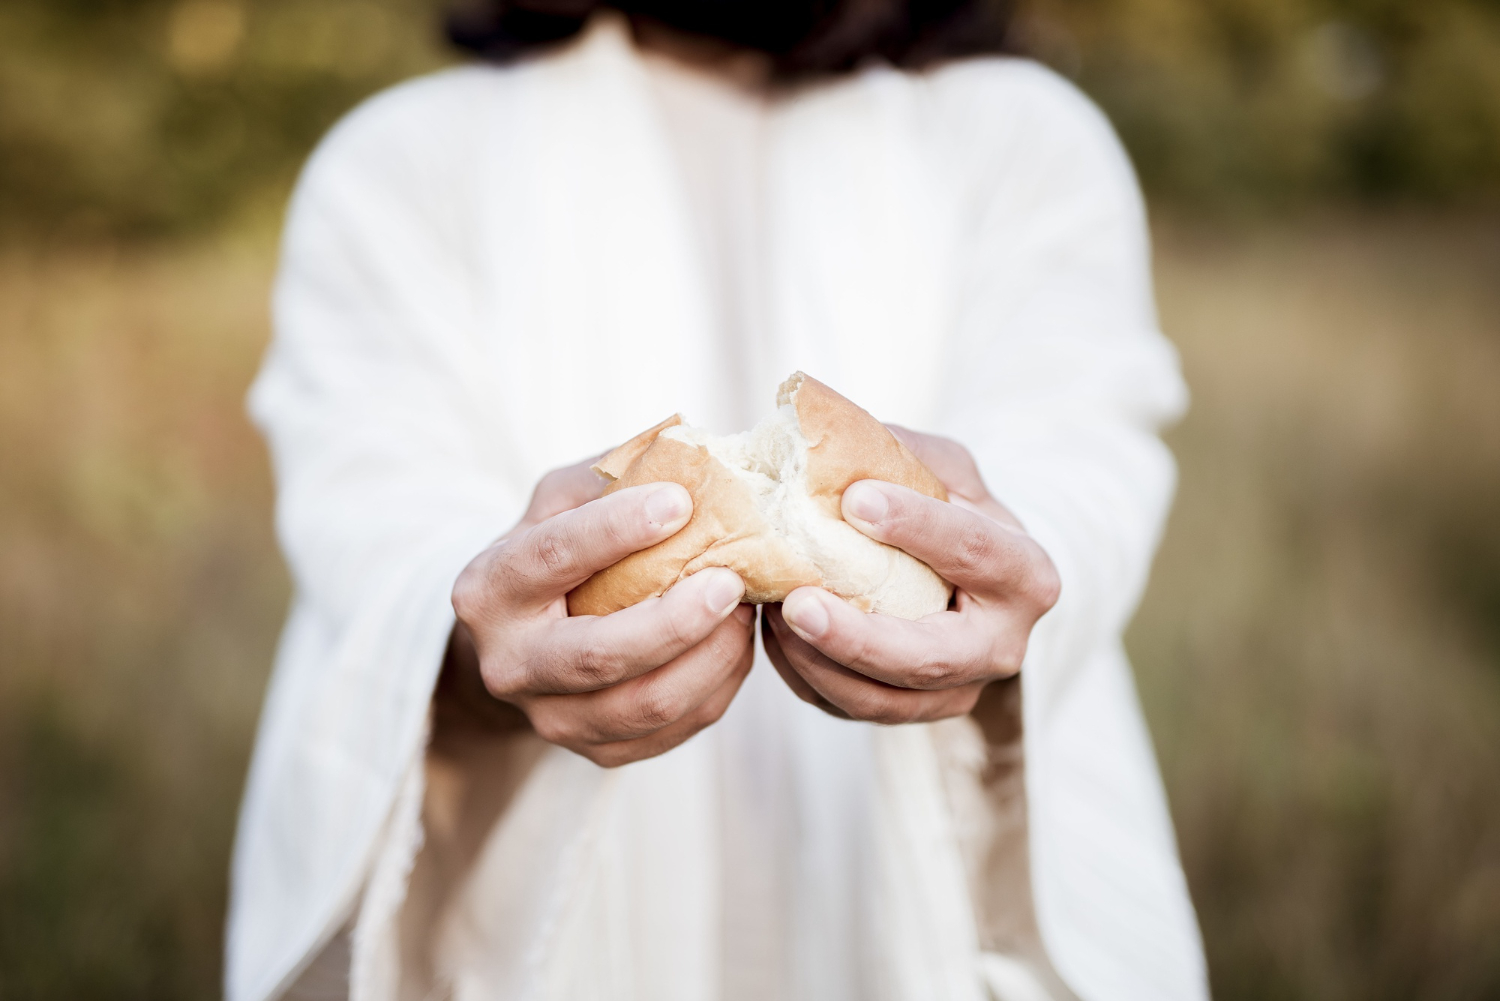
x: 1060, y: 384
x: 1061, y: 377
x: 390, y: 478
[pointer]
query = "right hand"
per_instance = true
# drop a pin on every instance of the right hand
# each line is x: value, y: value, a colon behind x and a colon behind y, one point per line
x: 614, y: 688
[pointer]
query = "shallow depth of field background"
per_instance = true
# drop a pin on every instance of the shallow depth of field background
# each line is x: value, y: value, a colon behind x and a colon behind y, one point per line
x: 1319, y: 652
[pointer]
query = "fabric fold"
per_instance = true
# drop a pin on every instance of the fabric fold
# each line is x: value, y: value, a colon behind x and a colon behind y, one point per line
x: 491, y: 272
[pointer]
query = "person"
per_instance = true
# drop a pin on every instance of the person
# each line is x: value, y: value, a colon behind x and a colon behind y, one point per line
x: 628, y: 209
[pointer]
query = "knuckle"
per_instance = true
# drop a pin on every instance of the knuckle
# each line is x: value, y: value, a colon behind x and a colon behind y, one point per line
x: 469, y: 594
x: 974, y: 550
x: 1008, y: 659
x: 881, y: 709
x: 656, y: 707
x: 601, y: 756
x: 1045, y: 586
x: 701, y: 719
x: 968, y: 468
x: 551, y: 553
x: 610, y: 755
x: 551, y: 727
x: 481, y: 586
x: 498, y: 681
x: 545, y: 487
x: 711, y: 714
x: 537, y: 672
x: 894, y: 715
x: 934, y: 672
x: 598, y: 663
x: 831, y: 708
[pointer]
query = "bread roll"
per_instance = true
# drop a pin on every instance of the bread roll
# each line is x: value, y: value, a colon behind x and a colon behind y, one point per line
x: 766, y: 505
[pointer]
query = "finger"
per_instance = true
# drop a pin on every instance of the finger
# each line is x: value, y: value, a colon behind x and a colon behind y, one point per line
x: 584, y: 653
x: 711, y: 711
x: 564, y: 489
x: 943, y: 650
x: 655, y: 700
x: 552, y: 558
x: 774, y: 653
x: 859, y: 697
x: 948, y: 460
x: 971, y: 550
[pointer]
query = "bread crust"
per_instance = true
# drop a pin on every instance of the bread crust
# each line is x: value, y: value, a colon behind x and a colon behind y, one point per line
x: 727, y: 529
x: 845, y: 444
x: 614, y: 465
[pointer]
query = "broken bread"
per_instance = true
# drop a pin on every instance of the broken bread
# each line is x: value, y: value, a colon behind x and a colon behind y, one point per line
x: 766, y: 505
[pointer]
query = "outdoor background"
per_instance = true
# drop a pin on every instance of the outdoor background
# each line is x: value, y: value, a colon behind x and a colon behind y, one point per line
x: 1319, y: 652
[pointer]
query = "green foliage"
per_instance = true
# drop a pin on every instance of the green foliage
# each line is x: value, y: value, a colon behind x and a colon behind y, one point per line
x: 149, y: 116
x: 161, y: 116
x: 1278, y: 101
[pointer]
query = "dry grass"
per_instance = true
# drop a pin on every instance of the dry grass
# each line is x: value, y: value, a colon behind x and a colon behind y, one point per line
x: 1320, y: 649
x: 1319, y: 652
x: 139, y: 599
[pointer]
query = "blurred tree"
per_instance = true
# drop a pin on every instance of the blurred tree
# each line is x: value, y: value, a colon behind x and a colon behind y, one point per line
x: 1268, y: 101
x: 145, y: 117
x: 158, y: 116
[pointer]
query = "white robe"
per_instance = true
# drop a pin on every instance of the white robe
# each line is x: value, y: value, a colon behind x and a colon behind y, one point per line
x: 490, y: 272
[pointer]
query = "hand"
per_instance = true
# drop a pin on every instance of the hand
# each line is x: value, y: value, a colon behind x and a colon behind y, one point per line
x: 889, y: 670
x: 614, y: 688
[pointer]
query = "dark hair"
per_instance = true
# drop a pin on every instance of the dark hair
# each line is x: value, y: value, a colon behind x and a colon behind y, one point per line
x: 803, y: 37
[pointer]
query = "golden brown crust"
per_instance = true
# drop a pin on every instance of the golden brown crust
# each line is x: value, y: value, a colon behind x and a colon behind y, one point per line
x: 845, y: 444
x: 726, y: 529
x: 613, y: 465
x: 651, y: 571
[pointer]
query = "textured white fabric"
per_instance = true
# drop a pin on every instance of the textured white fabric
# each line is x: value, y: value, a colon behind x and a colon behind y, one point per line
x: 488, y: 273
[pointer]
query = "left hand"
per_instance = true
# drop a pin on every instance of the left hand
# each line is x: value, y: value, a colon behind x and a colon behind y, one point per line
x: 883, y: 669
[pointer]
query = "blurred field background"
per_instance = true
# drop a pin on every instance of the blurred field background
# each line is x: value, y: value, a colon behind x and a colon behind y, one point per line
x: 1319, y: 652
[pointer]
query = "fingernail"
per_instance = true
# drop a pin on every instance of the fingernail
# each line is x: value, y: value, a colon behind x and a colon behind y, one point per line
x: 866, y: 502
x: 724, y: 591
x: 806, y: 614
x: 668, y: 505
